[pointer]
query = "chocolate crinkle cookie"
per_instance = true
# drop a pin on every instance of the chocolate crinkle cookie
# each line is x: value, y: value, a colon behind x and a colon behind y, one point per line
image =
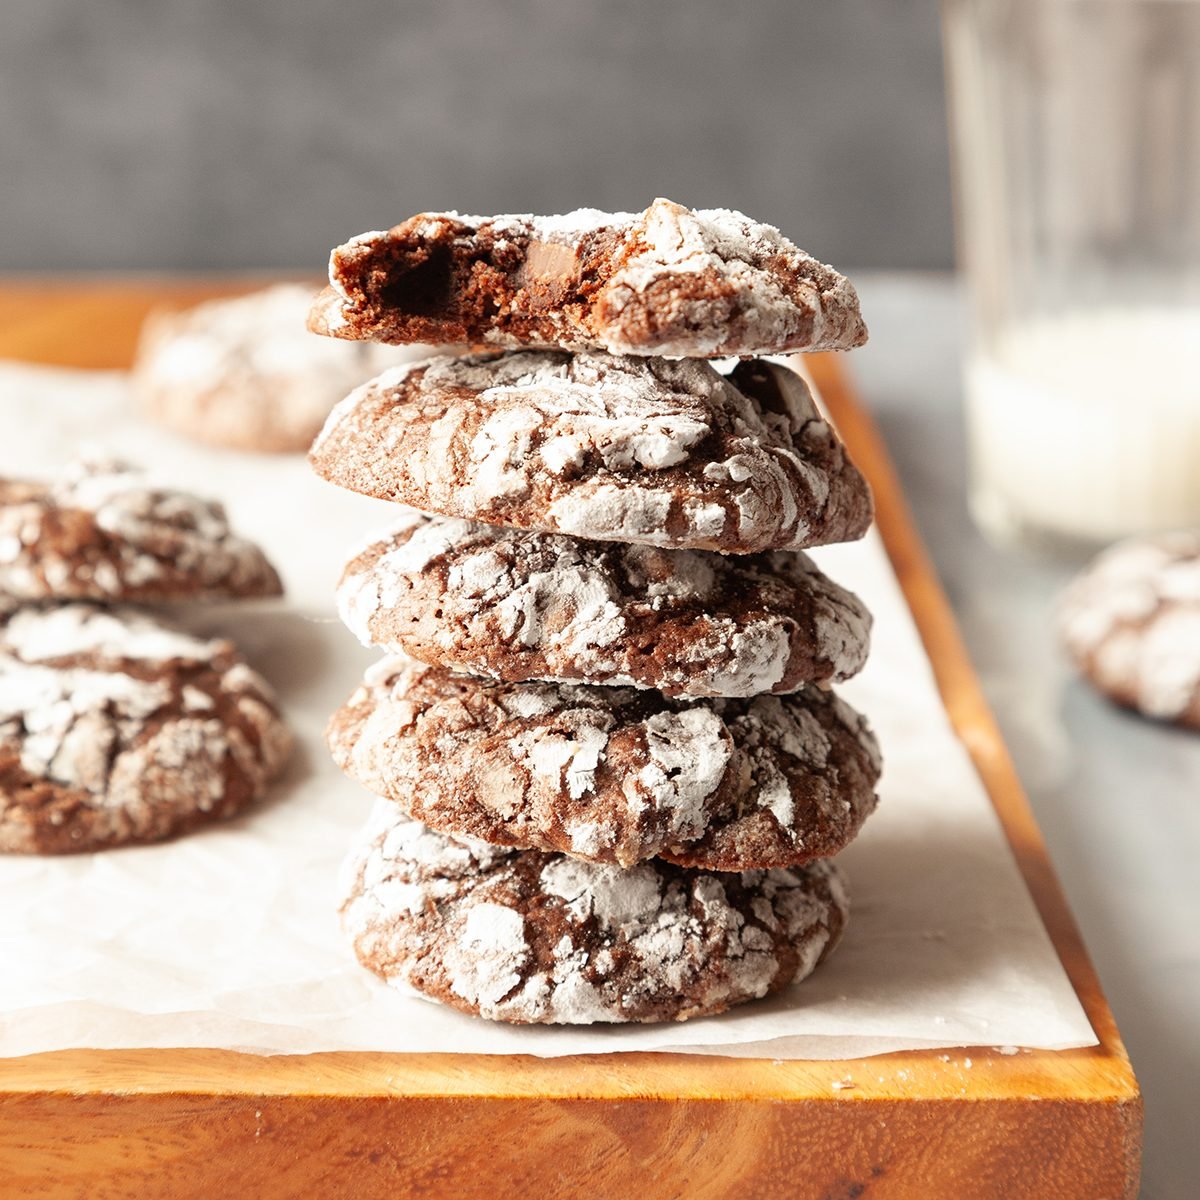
x: 103, y: 532
x: 646, y: 450
x: 612, y: 775
x: 530, y: 937
x: 244, y: 372
x: 669, y: 281
x: 118, y: 728
x: 517, y: 605
x: 1131, y: 621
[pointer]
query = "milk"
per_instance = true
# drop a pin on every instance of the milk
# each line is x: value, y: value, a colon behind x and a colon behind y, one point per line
x: 1087, y: 426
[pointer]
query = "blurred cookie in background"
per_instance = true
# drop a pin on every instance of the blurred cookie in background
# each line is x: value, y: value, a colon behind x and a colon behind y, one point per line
x: 1131, y: 621
x: 103, y: 531
x: 246, y: 374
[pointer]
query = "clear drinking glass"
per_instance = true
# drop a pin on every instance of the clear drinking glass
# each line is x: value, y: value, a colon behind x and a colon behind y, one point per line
x: 1076, y: 145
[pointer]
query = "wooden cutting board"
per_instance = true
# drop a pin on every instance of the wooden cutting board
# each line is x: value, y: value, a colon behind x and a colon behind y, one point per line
x: 212, y: 1124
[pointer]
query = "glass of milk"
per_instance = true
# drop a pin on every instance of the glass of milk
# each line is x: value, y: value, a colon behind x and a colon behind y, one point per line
x: 1076, y: 141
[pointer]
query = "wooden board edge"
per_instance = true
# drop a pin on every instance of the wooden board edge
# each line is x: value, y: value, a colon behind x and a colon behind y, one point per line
x: 52, y: 1147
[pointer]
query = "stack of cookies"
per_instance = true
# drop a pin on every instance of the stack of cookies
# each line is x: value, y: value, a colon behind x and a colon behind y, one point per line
x: 610, y: 766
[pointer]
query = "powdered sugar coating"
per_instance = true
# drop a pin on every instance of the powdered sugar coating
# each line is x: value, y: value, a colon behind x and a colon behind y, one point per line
x: 609, y: 448
x: 612, y: 775
x: 116, y: 728
x: 529, y: 937
x: 1132, y: 623
x: 777, y: 297
x: 245, y: 372
x: 104, y: 531
x: 666, y: 282
x: 807, y: 765
x: 518, y: 605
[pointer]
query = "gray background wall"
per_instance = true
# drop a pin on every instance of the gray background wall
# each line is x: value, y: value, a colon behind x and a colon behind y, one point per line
x: 237, y: 133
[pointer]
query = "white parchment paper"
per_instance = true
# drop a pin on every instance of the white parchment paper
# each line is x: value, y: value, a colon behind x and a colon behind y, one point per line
x: 229, y: 937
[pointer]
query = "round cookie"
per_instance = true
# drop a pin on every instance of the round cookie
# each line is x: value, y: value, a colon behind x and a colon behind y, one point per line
x: 1131, y: 621
x: 517, y: 605
x: 117, y: 728
x: 102, y: 532
x: 667, y: 281
x: 649, y: 450
x: 529, y: 937
x: 245, y: 373
x: 612, y: 775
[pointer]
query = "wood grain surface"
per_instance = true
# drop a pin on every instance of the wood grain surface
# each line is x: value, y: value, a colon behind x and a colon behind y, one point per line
x: 176, y: 1124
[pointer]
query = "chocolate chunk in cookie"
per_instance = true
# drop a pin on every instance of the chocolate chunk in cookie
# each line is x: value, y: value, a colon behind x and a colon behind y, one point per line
x: 665, y: 453
x: 245, y: 373
x: 1131, y: 621
x: 103, y: 532
x: 612, y: 775
x: 517, y: 605
x: 530, y: 937
x: 668, y: 281
x: 117, y: 728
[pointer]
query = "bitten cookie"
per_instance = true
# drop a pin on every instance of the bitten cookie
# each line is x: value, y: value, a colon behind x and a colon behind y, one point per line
x: 117, y: 728
x: 665, y: 453
x: 528, y: 937
x: 245, y: 372
x: 668, y: 281
x: 102, y: 532
x: 613, y: 775
x: 1131, y: 621
x: 517, y: 605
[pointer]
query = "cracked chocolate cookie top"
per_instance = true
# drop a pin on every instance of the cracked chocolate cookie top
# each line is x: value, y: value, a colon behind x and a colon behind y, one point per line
x: 530, y: 937
x: 612, y: 775
x: 660, y: 452
x: 103, y: 532
x: 116, y: 728
x: 1131, y: 621
x: 669, y: 281
x: 517, y: 605
x: 246, y: 373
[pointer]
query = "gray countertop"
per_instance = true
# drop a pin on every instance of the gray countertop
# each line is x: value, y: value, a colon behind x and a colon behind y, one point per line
x: 1117, y: 797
